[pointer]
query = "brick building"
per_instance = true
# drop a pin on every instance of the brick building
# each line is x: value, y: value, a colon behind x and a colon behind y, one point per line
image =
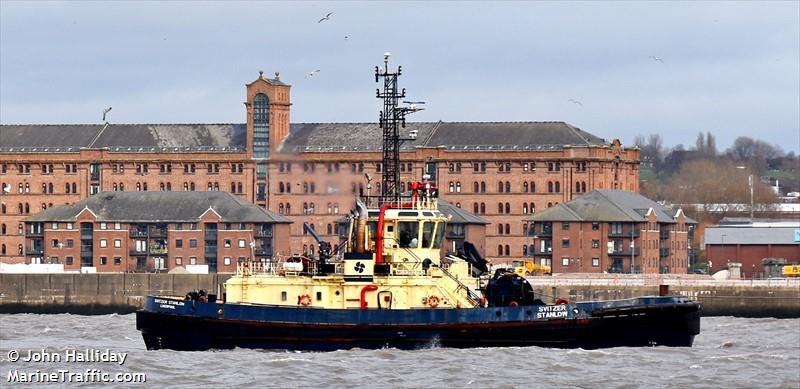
x: 611, y: 231
x: 309, y: 172
x: 154, y: 231
x: 750, y: 243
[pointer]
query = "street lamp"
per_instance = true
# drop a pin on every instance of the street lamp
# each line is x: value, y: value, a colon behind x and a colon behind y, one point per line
x: 750, y: 184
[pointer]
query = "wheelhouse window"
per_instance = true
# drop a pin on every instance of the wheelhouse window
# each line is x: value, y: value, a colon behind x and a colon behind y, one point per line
x: 407, y: 233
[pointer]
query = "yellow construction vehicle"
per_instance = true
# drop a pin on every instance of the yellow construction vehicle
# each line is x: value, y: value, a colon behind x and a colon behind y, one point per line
x: 529, y: 268
x: 791, y: 271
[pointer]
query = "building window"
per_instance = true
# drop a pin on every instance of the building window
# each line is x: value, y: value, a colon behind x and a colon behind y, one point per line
x: 226, y: 243
x: 193, y: 243
x: 69, y: 260
x: 595, y: 243
x: 595, y: 262
x: 242, y: 243
x: 193, y: 260
x: 178, y: 260
x: 117, y: 261
x: 103, y: 243
x: 104, y: 260
x: 227, y: 260
x: 565, y: 226
x: 595, y: 226
x: 178, y: 243
x: 565, y: 243
x: 117, y: 243
x: 261, y: 126
x: 564, y: 261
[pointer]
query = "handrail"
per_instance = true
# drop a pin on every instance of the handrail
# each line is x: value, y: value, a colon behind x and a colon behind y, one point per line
x: 470, y: 294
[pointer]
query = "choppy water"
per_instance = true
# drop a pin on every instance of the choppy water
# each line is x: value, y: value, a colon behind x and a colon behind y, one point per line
x: 730, y: 352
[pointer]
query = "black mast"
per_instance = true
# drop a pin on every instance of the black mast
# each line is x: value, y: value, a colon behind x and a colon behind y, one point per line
x: 390, y: 117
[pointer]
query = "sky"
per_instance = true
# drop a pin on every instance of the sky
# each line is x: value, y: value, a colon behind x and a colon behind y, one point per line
x: 614, y: 69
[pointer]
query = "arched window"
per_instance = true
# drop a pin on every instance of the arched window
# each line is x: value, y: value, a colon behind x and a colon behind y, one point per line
x: 508, y: 250
x: 191, y: 186
x: 115, y: 187
x: 280, y: 208
x: 66, y: 188
x: 329, y: 229
x: 452, y: 186
x: 549, y: 187
x: 458, y: 186
x: 524, y: 207
x: 508, y: 207
x: 261, y: 126
x: 483, y: 187
x: 508, y: 186
x: 19, y: 249
x: 499, y: 207
x: 27, y: 208
x: 20, y: 209
x: 558, y: 187
x: 583, y: 186
x: 577, y: 186
x: 3, y: 229
x: 3, y: 210
x: 549, y: 205
x: 233, y: 187
x: 336, y: 208
x: 483, y: 208
x: 524, y: 250
x: 475, y: 208
x: 210, y: 186
x: 305, y: 208
x: 288, y: 209
x: 533, y: 187
x: 169, y: 187
x: 525, y: 187
x: 3, y: 249
x: 74, y: 187
x: 121, y: 187
x: 44, y: 188
x: 499, y: 229
x: 532, y: 208
x: 475, y: 187
x: 500, y: 187
x: 161, y: 186
x: 44, y: 206
x: 508, y: 166
x: 311, y: 208
x: 185, y: 186
x: 499, y: 250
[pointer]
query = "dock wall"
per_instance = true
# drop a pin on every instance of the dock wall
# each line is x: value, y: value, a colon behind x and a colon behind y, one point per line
x: 104, y: 293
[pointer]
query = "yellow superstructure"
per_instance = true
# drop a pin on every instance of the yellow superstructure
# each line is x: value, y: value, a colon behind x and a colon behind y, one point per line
x: 411, y: 274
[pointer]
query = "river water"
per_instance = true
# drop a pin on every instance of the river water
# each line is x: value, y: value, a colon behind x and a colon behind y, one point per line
x: 730, y: 352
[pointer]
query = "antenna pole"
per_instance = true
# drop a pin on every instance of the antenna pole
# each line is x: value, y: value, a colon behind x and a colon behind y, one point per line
x: 390, y: 119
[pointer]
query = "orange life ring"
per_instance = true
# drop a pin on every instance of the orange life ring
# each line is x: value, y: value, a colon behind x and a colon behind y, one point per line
x: 304, y: 300
x: 562, y: 301
x: 433, y: 301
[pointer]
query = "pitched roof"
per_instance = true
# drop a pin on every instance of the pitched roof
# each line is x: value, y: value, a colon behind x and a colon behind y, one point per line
x: 123, y: 137
x: 332, y: 137
x: 752, y: 235
x: 303, y: 137
x: 161, y: 207
x: 606, y: 205
x: 455, y: 135
x: 459, y: 216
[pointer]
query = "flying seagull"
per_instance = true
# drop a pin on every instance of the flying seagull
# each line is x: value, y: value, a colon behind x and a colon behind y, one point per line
x: 105, y: 111
x: 327, y: 17
x: 654, y: 58
x: 312, y: 74
x: 576, y: 102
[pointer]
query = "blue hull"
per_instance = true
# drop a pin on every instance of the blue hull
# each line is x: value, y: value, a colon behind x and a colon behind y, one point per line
x: 647, y: 321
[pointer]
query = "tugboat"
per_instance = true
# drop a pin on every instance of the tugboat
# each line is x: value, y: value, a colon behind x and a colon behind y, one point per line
x: 388, y: 285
